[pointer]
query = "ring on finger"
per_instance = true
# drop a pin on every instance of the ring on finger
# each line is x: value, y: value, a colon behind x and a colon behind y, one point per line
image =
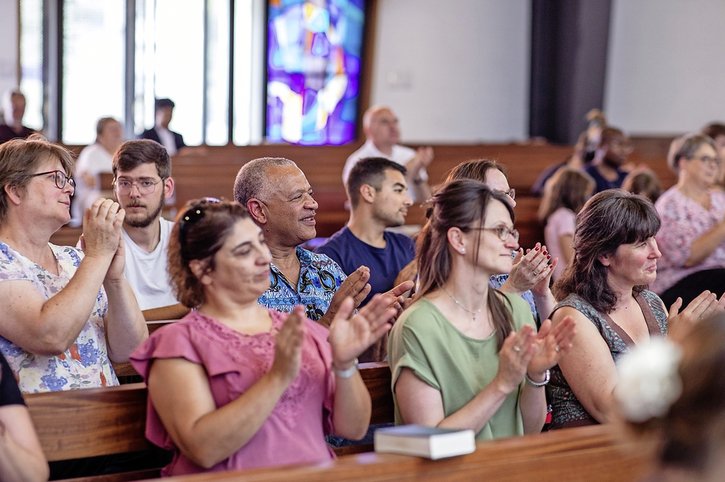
x: 517, y: 348
x: 557, y: 348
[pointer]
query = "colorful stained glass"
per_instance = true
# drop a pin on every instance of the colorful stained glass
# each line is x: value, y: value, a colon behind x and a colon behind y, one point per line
x: 313, y: 70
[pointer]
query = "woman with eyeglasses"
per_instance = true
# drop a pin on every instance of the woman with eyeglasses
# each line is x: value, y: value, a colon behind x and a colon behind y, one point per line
x: 530, y: 274
x: 67, y: 314
x: 234, y: 385
x: 604, y: 291
x: 465, y: 355
x: 692, y: 240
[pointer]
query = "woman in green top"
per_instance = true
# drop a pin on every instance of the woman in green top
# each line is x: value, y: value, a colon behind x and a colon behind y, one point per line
x: 465, y: 355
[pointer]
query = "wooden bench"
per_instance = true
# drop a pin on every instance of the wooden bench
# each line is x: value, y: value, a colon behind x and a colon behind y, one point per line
x: 596, y: 453
x: 104, y: 421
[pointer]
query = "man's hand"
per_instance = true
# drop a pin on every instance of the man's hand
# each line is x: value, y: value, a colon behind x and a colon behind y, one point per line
x: 355, y: 286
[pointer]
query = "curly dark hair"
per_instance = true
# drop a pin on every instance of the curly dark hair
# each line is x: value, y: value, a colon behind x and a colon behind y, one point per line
x: 200, y: 230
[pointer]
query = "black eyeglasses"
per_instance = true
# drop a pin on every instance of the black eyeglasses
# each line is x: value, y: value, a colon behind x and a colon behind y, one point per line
x: 192, y: 216
x: 510, y: 193
x: 60, y: 178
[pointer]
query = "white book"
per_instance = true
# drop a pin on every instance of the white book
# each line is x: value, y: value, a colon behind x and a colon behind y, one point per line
x: 431, y: 442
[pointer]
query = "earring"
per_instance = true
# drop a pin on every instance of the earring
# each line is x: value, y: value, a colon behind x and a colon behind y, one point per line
x: 463, y: 251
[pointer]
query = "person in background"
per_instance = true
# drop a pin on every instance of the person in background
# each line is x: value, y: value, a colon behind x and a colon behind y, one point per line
x: 611, y: 155
x: 643, y: 181
x: 604, y: 291
x: 160, y: 132
x: 67, y: 313
x: 716, y: 132
x: 142, y: 182
x: 465, y: 355
x: 693, y: 213
x: 21, y: 456
x: 684, y: 416
x: 570, y: 189
x: 380, y: 125
x: 13, y: 107
x: 92, y: 161
x: 236, y: 385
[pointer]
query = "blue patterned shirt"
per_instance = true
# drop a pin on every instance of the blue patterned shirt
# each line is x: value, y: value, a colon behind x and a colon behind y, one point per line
x: 497, y: 280
x: 320, y: 278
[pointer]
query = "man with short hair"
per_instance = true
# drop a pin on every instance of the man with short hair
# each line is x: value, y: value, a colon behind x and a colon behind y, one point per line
x: 378, y: 195
x: 610, y: 156
x: 163, y: 112
x: 380, y: 125
x: 279, y: 199
x: 13, y: 107
x: 141, y: 182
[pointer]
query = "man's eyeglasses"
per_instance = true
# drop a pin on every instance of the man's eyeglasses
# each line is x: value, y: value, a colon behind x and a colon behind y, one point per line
x: 503, y: 232
x: 60, y: 178
x: 144, y: 186
x: 192, y: 216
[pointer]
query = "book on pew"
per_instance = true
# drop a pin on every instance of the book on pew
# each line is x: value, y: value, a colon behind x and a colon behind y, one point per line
x: 431, y: 442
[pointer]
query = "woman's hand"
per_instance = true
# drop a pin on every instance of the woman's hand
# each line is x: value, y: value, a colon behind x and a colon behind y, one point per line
x: 551, y: 344
x: 542, y: 288
x: 102, y: 228
x: 529, y: 269
x: 350, y: 335
x: 288, y: 345
x: 515, y: 355
x: 704, y: 305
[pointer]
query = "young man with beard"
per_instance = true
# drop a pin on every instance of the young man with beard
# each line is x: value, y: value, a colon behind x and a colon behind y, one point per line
x: 141, y: 182
x: 378, y: 195
x: 610, y: 156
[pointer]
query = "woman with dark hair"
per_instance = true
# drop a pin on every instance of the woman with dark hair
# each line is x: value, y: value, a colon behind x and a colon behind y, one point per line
x: 465, y: 355
x: 684, y: 416
x: 530, y: 273
x: 234, y: 385
x: 569, y: 191
x: 693, y: 211
x: 605, y: 291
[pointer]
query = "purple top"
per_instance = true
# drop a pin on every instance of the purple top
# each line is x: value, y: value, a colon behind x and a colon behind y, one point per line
x: 294, y: 431
x: 683, y: 221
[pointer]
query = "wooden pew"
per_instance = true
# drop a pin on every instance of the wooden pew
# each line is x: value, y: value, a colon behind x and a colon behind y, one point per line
x: 104, y: 421
x: 596, y: 453
x: 86, y: 423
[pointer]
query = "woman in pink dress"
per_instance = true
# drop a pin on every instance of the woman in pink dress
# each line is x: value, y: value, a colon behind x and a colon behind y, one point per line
x: 234, y: 385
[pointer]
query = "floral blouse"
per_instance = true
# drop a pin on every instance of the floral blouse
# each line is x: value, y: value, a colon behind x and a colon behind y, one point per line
x: 85, y: 364
x: 683, y: 221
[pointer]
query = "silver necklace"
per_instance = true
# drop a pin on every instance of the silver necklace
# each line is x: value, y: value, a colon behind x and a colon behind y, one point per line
x: 473, y: 313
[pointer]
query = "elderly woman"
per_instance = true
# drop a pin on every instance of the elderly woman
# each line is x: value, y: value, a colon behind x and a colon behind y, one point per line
x: 67, y: 313
x: 466, y: 355
x: 235, y: 385
x: 605, y: 291
x: 530, y: 274
x: 693, y: 213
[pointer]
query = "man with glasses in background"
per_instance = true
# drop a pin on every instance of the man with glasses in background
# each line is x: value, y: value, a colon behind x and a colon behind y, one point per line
x: 142, y: 182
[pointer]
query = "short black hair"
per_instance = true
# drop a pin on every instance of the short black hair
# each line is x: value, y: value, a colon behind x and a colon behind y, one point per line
x: 371, y: 171
x: 162, y: 103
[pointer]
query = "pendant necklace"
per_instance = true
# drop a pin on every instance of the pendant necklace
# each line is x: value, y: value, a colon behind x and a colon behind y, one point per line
x: 472, y: 312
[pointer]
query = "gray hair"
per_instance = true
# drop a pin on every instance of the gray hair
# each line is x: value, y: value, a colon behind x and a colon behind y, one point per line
x: 252, y: 179
x: 685, y: 147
